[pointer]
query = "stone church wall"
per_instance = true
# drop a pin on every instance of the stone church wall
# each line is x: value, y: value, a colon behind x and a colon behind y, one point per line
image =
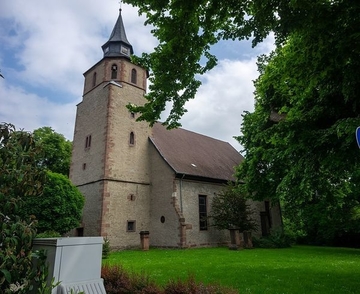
x: 126, y: 202
x: 88, y: 161
x: 126, y: 161
x: 92, y: 208
x: 166, y: 233
x: 190, y: 191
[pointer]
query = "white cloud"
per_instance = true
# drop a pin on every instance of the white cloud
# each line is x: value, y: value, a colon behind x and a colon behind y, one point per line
x: 227, y: 91
x: 28, y: 111
x: 53, y: 42
x: 56, y: 44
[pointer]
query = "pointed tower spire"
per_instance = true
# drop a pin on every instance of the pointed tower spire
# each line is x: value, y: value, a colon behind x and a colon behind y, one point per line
x: 118, y: 45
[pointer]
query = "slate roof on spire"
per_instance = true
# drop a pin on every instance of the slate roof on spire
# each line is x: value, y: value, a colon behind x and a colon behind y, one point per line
x: 118, y: 44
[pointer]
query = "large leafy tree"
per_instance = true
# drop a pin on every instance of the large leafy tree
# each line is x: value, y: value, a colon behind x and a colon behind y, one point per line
x: 187, y: 29
x: 60, y: 206
x: 20, y: 178
x: 299, y: 141
x: 56, y: 150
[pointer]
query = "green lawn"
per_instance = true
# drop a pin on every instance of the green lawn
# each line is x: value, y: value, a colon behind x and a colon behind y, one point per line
x: 300, y: 269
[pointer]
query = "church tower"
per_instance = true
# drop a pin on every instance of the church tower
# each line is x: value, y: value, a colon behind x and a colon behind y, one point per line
x: 110, y: 162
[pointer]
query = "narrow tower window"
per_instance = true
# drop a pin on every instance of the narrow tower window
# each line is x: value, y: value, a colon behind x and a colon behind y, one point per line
x: 94, y: 79
x: 114, y: 71
x: 132, y: 139
x: 202, y: 212
x: 88, y: 141
x: 133, y: 76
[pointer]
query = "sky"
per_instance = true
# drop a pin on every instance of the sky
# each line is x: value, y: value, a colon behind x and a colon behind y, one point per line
x: 47, y: 45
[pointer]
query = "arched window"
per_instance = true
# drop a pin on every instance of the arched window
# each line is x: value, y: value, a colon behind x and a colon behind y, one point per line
x: 114, y: 72
x: 133, y: 76
x: 94, y: 79
x: 132, y: 139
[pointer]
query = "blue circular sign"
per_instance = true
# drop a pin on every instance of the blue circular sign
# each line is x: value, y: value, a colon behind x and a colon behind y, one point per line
x: 357, y: 135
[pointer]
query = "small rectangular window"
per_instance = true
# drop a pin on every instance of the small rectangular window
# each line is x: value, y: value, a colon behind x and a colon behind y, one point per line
x: 125, y: 50
x: 88, y: 142
x: 203, y: 212
x: 80, y: 232
x: 132, y: 139
x: 130, y: 226
x: 94, y: 79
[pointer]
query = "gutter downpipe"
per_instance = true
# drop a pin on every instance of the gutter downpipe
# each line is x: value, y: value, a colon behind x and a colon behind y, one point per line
x: 181, y: 202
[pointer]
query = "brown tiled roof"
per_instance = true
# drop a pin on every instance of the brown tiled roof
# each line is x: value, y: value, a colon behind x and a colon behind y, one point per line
x: 196, y: 155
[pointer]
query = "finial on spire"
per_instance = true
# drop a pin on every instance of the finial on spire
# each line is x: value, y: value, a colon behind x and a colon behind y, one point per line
x: 120, y: 2
x: 118, y: 45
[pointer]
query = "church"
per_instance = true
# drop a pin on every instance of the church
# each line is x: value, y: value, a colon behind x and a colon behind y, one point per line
x: 136, y: 178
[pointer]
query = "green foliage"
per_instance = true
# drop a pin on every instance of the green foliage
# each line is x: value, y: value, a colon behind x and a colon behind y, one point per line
x: 56, y: 155
x: 42, y: 269
x: 277, y: 239
x: 60, y: 206
x: 187, y: 29
x: 106, y: 248
x: 299, y: 141
x: 48, y: 234
x: 230, y: 209
x: 15, y: 256
x: 20, y: 178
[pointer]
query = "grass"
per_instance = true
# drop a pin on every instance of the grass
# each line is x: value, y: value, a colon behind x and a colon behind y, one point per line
x: 300, y: 269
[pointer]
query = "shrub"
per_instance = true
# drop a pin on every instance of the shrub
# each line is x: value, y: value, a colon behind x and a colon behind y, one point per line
x: 277, y: 239
x: 20, y: 178
x: 106, y: 248
x: 48, y: 234
x: 59, y: 208
x: 117, y: 280
x: 190, y: 286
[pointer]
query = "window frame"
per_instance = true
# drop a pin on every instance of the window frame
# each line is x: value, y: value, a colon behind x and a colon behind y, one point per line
x: 94, y: 79
x: 134, y: 76
x: 114, y: 71
x: 132, y: 139
x: 203, y: 212
x: 87, y: 142
x: 133, y: 223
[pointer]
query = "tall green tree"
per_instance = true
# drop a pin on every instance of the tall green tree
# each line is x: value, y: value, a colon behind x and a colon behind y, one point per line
x: 56, y: 155
x: 299, y: 142
x: 59, y: 208
x: 187, y: 29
